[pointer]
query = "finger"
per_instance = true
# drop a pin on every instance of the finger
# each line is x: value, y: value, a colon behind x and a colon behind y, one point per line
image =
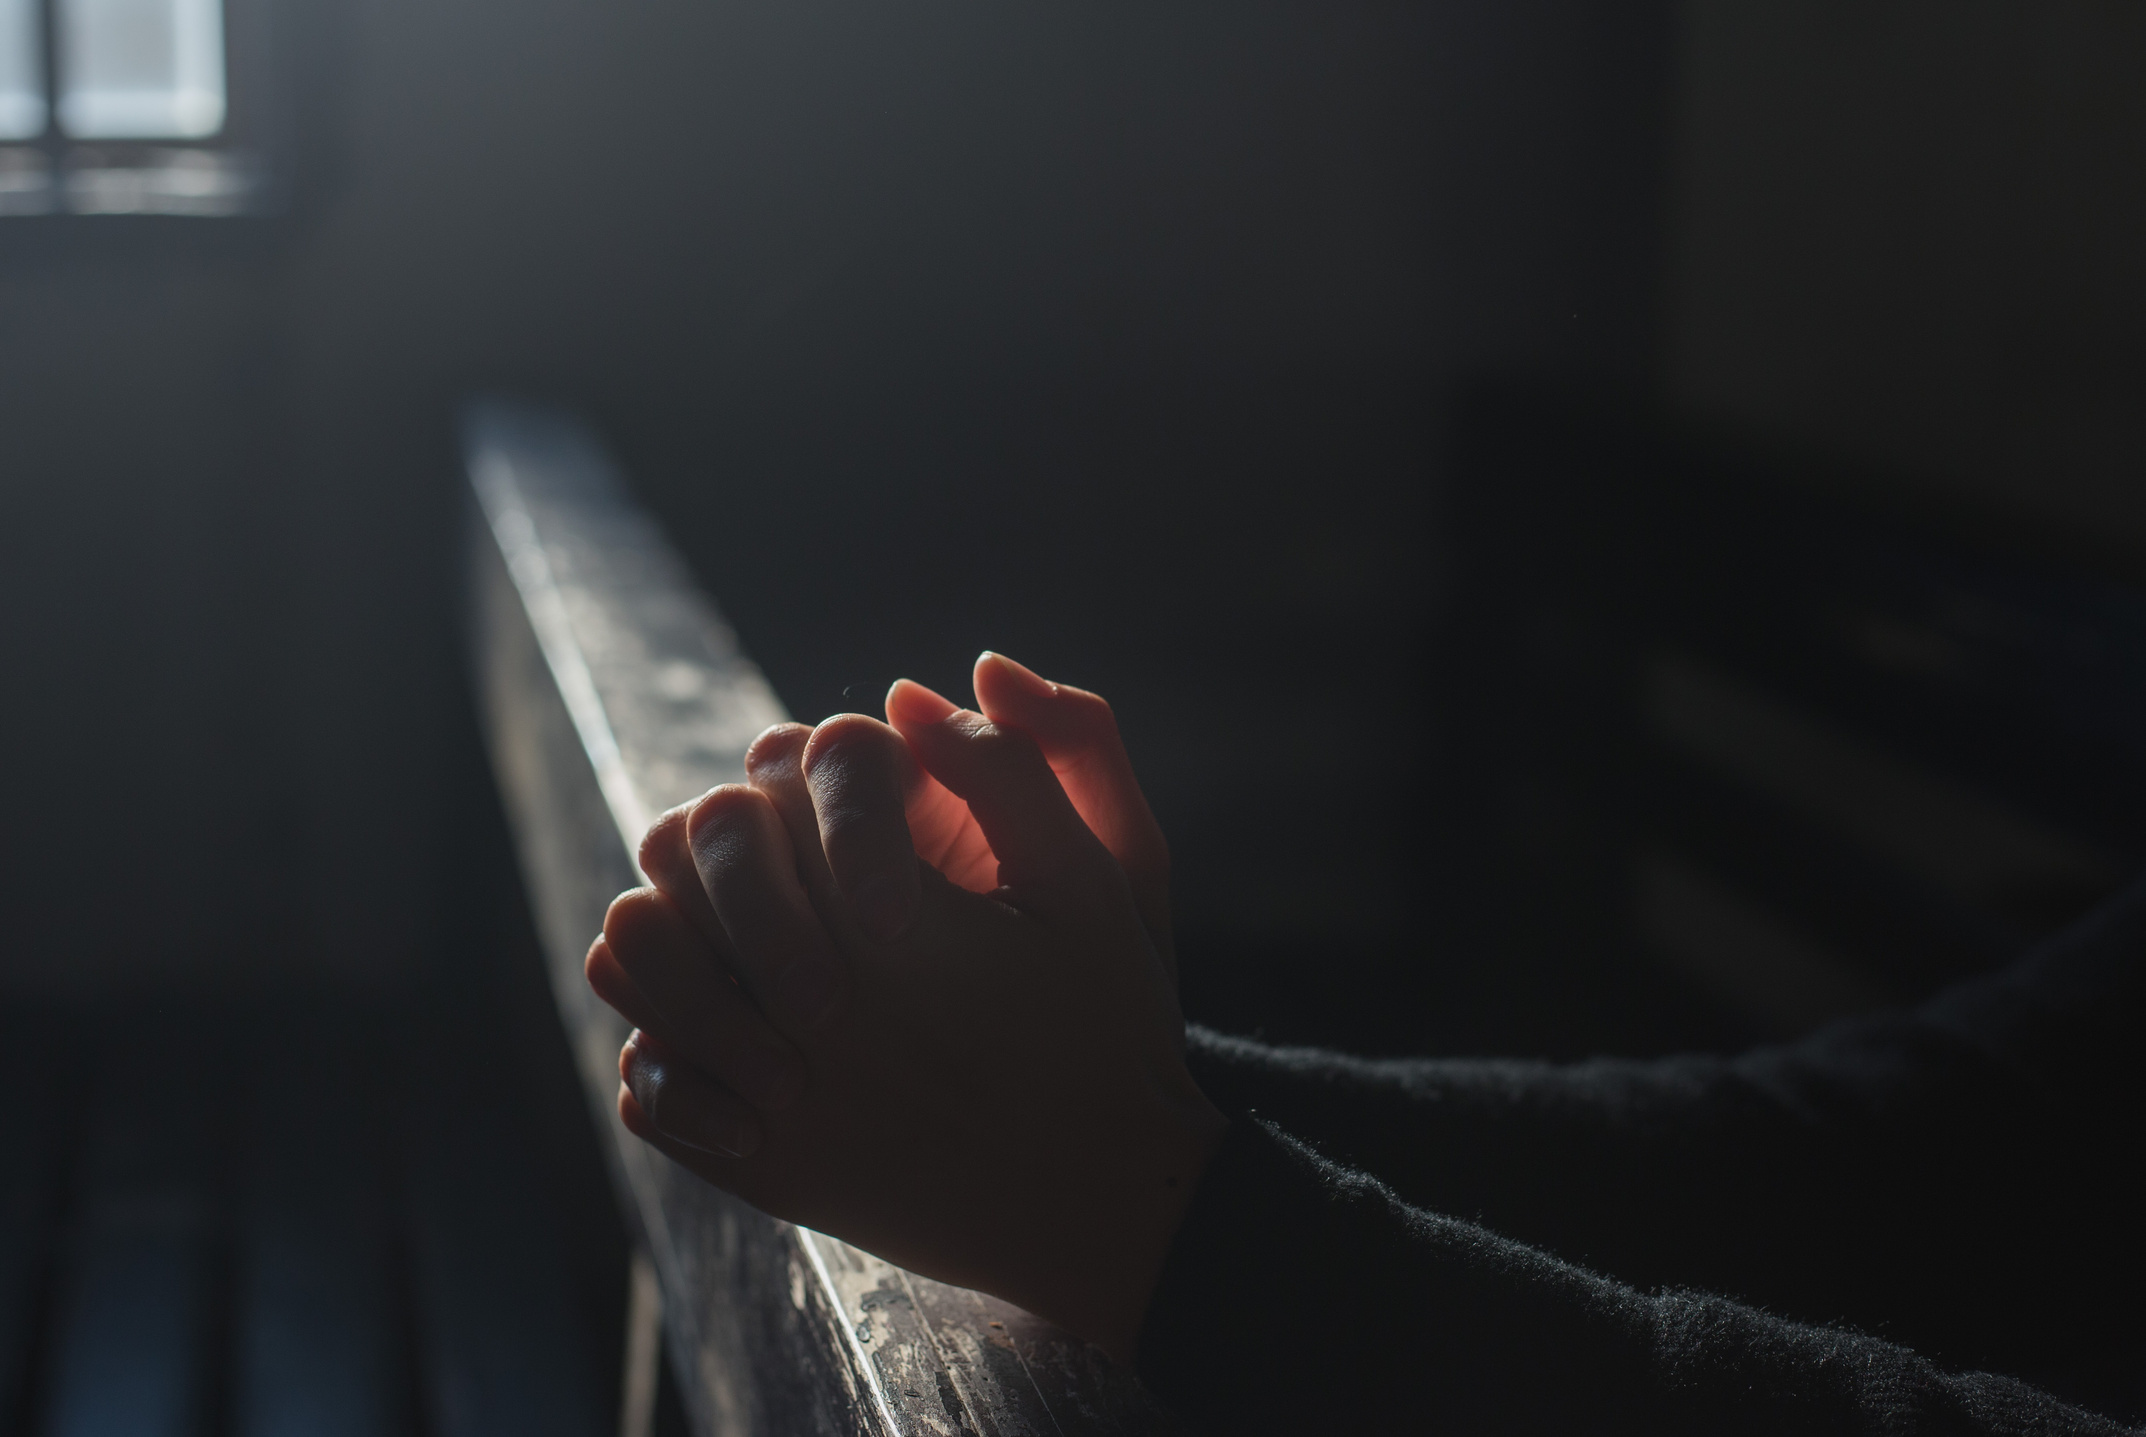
x: 781, y: 951
x: 939, y: 824
x: 682, y: 1105
x: 1044, y: 849
x: 1079, y: 737
x: 732, y: 1174
x: 667, y: 859
x: 857, y: 770
x: 774, y: 765
x: 696, y: 1007
x: 945, y: 835
x: 611, y: 983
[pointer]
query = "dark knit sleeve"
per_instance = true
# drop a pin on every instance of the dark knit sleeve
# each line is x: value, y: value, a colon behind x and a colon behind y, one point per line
x: 1938, y: 1173
x: 1301, y: 1297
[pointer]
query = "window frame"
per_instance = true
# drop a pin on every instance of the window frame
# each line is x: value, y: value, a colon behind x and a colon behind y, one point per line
x: 221, y: 175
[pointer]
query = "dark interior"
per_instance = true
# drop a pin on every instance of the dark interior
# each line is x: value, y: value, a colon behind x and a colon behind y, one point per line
x: 1554, y: 443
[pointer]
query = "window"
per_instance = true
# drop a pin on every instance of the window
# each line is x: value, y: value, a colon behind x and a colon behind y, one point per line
x: 121, y: 107
x: 22, y: 96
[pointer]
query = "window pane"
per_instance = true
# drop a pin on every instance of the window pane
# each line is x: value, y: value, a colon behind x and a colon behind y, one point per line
x: 141, y: 69
x: 22, y: 91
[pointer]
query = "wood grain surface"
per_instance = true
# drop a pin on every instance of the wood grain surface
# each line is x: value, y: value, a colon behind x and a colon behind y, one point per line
x: 612, y: 689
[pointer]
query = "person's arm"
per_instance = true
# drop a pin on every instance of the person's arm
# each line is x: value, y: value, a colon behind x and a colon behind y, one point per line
x: 1300, y: 1296
x: 991, y: 1088
x: 1945, y: 1169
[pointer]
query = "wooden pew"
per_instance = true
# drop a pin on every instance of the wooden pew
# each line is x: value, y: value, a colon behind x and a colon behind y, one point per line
x: 610, y: 689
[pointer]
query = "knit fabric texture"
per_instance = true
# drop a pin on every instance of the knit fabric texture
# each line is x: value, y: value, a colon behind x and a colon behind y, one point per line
x: 1923, y: 1221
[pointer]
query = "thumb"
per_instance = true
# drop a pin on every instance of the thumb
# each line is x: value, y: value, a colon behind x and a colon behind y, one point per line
x: 1079, y: 737
x: 1045, y: 852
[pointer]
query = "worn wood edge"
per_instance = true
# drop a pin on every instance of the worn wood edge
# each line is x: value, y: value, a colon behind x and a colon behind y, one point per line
x: 517, y: 557
x: 672, y: 1213
x: 914, y: 1354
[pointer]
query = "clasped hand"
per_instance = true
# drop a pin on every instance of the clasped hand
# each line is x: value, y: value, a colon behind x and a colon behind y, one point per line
x: 912, y: 985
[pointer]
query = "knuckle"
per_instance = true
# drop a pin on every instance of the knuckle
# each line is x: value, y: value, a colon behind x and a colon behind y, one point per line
x: 732, y: 875
x: 664, y: 840
x: 631, y: 918
x: 724, y: 816
x: 776, y: 748
x: 724, y: 801
x: 844, y: 740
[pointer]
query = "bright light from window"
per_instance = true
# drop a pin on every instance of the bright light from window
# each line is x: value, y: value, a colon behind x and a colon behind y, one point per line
x: 140, y: 69
x: 22, y: 92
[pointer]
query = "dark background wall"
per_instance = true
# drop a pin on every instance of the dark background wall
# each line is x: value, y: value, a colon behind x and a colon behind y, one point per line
x: 1907, y: 234
x: 1123, y: 339
x: 1113, y: 337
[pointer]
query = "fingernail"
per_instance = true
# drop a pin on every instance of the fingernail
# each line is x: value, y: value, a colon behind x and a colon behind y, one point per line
x: 681, y: 1116
x: 634, y: 1070
x: 885, y: 906
x: 737, y: 1139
